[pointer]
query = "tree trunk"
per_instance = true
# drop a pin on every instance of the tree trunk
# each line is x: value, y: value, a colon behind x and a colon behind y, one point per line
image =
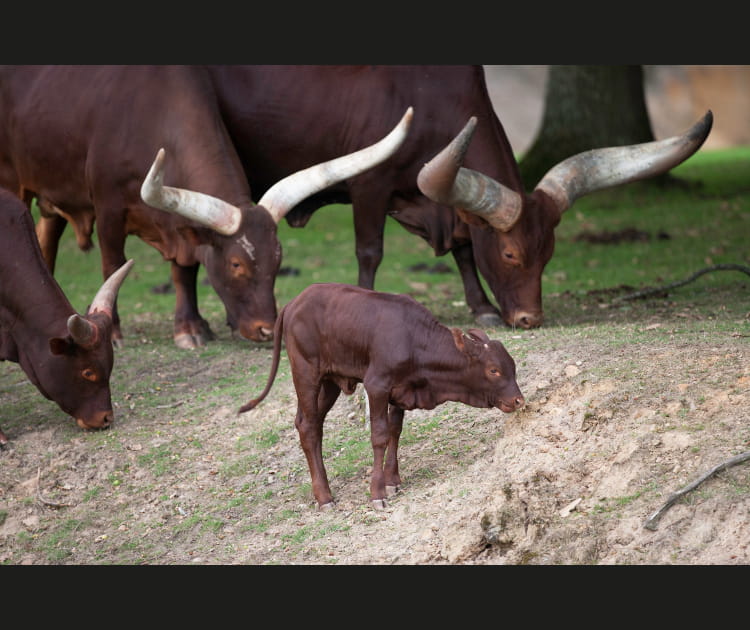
x: 587, y: 107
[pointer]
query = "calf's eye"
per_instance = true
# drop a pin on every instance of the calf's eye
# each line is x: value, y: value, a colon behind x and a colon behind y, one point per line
x: 89, y: 374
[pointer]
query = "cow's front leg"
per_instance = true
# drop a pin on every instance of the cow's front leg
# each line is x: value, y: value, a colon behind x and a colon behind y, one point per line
x: 484, y: 312
x: 369, y: 225
x: 190, y: 329
x: 395, y: 424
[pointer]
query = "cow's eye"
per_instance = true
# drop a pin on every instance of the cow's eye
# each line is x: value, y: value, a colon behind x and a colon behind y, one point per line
x: 494, y: 372
x: 237, y: 267
x: 89, y: 374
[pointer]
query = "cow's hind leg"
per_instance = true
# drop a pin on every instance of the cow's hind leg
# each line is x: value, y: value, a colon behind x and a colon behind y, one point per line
x: 49, y: 230
x: 190, y: 329
x: 313, y: 403
x: 395, y: 424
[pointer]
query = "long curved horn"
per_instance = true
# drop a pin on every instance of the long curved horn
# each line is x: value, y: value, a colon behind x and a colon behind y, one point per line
x: 83, y: 331
x: 204, y: 209
x: 445, y: 181
x: 610, y: 166
x: 287, y: 193
x: 105, y: 297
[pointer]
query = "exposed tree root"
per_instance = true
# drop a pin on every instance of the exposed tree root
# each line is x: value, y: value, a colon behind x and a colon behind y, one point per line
x: 651, y: 523
x: 674, y: 285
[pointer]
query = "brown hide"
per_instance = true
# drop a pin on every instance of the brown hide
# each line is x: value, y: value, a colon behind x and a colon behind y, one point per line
x: 339, y: 335
x: 281, y: 117
x: 82, y: 138
x: 301, y: 127
x: 68, y: 357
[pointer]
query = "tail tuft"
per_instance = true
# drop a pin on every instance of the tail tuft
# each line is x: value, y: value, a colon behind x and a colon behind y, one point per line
x: 248, y: 406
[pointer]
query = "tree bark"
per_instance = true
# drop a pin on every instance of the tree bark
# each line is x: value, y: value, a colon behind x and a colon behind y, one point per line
x: 587, y: 107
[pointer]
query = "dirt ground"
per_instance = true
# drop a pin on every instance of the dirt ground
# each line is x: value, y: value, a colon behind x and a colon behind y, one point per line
x: 620, y: 415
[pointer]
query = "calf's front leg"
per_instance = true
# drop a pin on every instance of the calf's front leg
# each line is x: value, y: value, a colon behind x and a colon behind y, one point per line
x: 380, y: 437
x: 309, y: 423
x: 395, y: 424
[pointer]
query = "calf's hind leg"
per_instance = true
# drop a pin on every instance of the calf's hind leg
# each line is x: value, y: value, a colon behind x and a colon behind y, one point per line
x: 312, y: 408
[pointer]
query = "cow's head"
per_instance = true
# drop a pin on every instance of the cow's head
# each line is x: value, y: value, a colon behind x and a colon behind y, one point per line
x: 513, y: 232
x: 490, y: 377
x: 77, y: 370
x: 243, y: 255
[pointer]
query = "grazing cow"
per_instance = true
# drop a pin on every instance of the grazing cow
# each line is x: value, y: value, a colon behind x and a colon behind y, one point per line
x: 338, y: 335
x: 280, y: 117
x: 81, y: 138
x: 68, y: 356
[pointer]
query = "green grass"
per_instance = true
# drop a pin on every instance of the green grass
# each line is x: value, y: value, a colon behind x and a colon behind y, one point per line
x: 707, y: 222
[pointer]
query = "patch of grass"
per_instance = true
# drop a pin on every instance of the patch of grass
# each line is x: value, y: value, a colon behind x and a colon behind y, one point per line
x: 612, y: 504
x: 58, y: 544
x: 201, y: 522
x: 239, y: 467
x: 92, y: 493
x: 159, y: 459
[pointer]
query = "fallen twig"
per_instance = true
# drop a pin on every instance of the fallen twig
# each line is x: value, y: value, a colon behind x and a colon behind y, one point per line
x: 39, y: 496
x: 174, y: 404
x: 674, y: 285
x: 737, y: 459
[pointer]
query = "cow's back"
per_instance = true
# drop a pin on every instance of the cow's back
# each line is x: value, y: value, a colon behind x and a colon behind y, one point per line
x: 69, y: 131
x: 283, y: 118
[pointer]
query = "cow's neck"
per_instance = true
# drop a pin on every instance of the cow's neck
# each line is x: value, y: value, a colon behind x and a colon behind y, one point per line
x: 33, y: 314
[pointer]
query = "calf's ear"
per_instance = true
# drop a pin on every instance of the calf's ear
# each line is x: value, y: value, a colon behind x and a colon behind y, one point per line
x: 471, y: 342
x: 478, y: 335
x: 458, y: 338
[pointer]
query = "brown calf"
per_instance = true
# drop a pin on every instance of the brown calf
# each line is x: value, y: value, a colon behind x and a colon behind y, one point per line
x: 338, y: 335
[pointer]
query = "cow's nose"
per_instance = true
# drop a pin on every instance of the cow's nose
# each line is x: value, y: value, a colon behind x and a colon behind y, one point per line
x: 102, y: 421
x: 257, y: 331
x: 527, y: 319
x: 519, y: 402
x: 265, y: 333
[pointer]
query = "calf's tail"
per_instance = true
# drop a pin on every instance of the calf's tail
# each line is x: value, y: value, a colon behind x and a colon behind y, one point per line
x: 277, y: 332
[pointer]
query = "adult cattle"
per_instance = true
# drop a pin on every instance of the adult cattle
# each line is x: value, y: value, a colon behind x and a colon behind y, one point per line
x: 338, y: 335
x: 81, y: 139
x: 281, y: 117
x: 67, y: 356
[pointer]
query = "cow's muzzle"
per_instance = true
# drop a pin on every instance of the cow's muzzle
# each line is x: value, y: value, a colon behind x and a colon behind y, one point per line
x: 101, y: 421
x: 257, y: 331
x: 525, y: 319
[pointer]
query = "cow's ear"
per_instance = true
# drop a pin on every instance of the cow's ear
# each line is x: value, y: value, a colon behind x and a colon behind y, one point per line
x: 189, y: 233
x: 472, y: 219
x: 458, y: 338
x: 60, y: 345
